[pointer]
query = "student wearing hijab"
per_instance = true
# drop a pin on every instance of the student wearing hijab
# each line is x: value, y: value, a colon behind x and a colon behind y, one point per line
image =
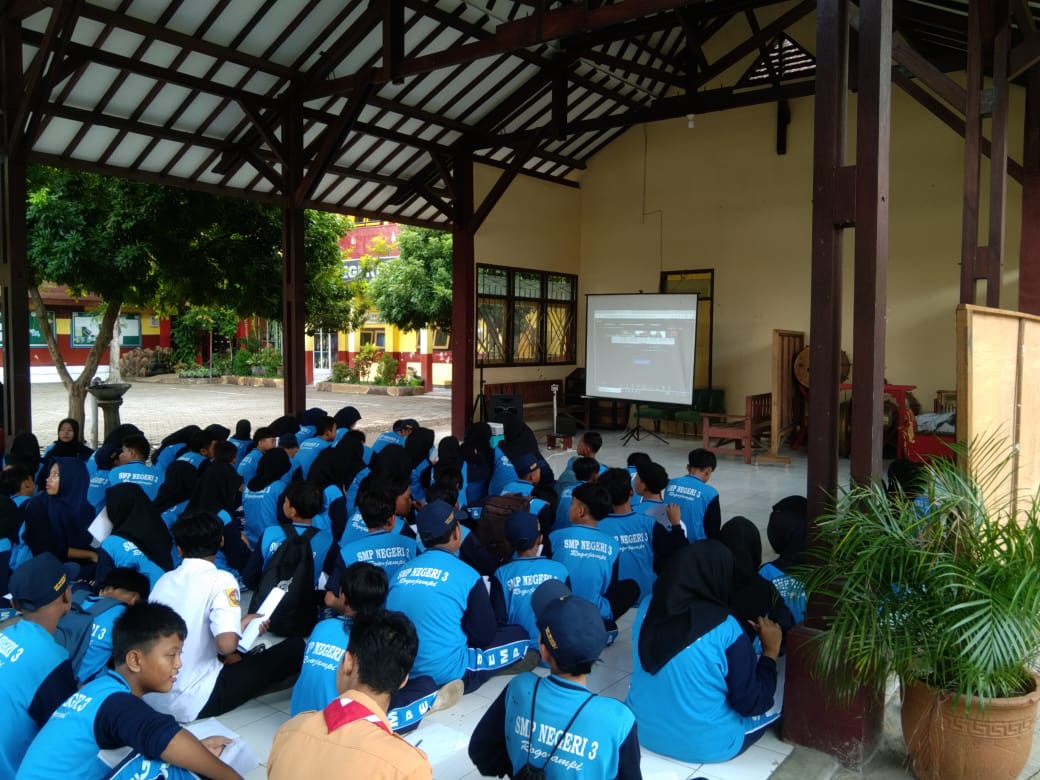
x: 69, y: 443
x: 419, y: 447
x: 177, y: 488
x: 333, y: 472
x: 25, y: 452
x: 10, y: 524
x: 520, y: 440
x: 242, y: 438
x: 219, y: 492
x: 139, y: 540
x: 788, y: 534
x: 57, y: 520
x: 751, y: 596
x: 262, y: 496
x: 173, y: 446
x: 346, y: 418
x: 698, y: 693
x: 479, y: 457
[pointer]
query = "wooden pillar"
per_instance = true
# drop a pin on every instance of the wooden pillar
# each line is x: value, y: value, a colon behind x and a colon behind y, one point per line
x: 873, y: 130
x: 989, y: 38
x: 293, y: 269
x: 832, y: 36
x: 1029, y: 251
x: 463, y: 280
x: 14, y: 277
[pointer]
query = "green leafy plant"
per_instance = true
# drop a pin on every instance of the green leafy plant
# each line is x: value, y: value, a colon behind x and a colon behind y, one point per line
x: 386, y: 370
x: 340, y: 372
x: 364, y: 360
x: 240, y: 363
x: 944, y: 589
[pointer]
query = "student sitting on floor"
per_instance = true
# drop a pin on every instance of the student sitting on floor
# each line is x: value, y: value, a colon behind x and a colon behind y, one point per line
x: 591, y: 556
x: 698, y: 692
x: 352, y: 737
x: 584, y: 470
x: 108, y: 713
x: 216, y: 678
x: 555, y: 724
x: 122, y: 587
x: 788, y: 533
x: 36, y: 675
x: 382, y: 545
x: 361, y: 590
x: 698, y: 501
x: 515, y: 582
x: 460, y: 638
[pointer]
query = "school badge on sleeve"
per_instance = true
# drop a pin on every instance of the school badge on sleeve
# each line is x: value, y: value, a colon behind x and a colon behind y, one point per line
x: 232, y: 596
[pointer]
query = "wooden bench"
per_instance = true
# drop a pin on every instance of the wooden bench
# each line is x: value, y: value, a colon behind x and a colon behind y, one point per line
x: 743, y: 431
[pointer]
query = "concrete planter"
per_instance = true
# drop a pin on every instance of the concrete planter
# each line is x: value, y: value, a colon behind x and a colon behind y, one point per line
x: 350, y: 389
x: 405, y: 390
x: 253, y: 381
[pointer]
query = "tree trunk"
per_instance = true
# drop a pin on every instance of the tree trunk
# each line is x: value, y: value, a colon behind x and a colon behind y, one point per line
x: 77, y: 388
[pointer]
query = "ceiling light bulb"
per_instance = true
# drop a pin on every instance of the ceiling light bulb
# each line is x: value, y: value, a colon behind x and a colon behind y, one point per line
x: 691, y: 121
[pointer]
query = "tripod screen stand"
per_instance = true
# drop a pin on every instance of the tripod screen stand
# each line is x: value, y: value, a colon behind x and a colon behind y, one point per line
x: 638, y: 432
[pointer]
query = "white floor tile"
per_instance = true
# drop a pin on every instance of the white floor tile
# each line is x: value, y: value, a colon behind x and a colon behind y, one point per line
x: 756, y: 762
x: 248, y: 713
x: 658, y: 767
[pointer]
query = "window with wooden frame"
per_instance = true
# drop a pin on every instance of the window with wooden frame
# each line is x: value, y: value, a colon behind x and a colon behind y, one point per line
x: 525, y: 317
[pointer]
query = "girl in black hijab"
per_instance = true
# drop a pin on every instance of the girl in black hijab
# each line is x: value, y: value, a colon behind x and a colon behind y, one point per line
x: 69, y: 443
x: 752, y: 596
x: 25, y: 452
x: 56, y: 521
x: 136, y: 520
x: 479, y: 457
x: 10, y: 523
x: 698, y: 692
x: 261, y: 501
x: 176, y: 490
x: 520, y: 440
x: 219, y: 491
x: 788, y: 533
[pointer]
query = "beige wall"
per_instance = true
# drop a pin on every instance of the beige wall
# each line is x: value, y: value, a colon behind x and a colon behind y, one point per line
x: 536, y: 224
x: 718, y: 196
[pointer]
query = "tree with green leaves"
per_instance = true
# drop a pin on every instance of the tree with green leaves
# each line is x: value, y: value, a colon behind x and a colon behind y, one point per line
x: 165, y: 248
x: 413, y: 291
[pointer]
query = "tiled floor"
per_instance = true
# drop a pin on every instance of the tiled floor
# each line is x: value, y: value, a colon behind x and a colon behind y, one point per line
x: 746, y: 490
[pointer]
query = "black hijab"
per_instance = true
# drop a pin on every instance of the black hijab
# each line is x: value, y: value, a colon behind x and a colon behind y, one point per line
x: 10, y: 520
x: 283, y: 425
x: 788, y: 531
x: 338, y: 465
x: 392, y: 461
x: 25, y: 452
x: 418, y: 445
x: 70, y: 449
x: 272, y: 466
x: 752, y: 596
x: 178, y: 440
x: 178, y: 485
x: 519, y: 439
x: 217, y: 489
x: 346, y: 417
x: 243, y: 430
x: 135, y: 518
x: 113, y: 443
x: 690, y: 598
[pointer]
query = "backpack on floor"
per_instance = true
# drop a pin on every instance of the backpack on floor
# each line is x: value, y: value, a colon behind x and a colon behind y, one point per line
x: 74, y: 628
x: 491, y: 527
x: 291, y: 568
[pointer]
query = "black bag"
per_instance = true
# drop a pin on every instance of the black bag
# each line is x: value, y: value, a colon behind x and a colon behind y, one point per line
x: 290, y: 568
x: 491, y: 527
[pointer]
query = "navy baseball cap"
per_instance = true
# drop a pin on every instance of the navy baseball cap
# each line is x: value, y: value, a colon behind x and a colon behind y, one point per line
x: 38, y: 582
x: 570, y: 626
x: 525, y: 463
x: 435, y: 520
x: 521, y: 529
x: 408, y: 422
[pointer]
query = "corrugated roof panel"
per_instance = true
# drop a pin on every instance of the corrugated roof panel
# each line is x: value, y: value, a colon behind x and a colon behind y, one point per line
x: 199, y: 110
x: 153, y: 10
x: 128, y: 150
x: 160, y: 156
x: 57, y: 136
x: 160, y: 54
x: 88, y: 90
x: 119, y: 42
x: 131, y: 95
x: 197, y: 65
x: 229, y: 73
x: 189, y: 162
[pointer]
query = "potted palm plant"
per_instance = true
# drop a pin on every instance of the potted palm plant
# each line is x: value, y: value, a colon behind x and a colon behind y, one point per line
x: 940, y: 585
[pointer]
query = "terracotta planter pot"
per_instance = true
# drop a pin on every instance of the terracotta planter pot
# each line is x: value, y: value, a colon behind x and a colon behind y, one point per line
x: 946, y: 742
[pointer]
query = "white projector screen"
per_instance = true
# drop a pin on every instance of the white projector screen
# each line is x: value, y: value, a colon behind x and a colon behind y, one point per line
x: 641, y: 347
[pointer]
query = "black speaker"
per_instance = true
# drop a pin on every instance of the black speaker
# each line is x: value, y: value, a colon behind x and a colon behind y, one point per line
x: 566, y: 425
x: 504, y: 407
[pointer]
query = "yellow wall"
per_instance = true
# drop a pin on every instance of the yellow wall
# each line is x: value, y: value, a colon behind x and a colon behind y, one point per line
x: 718, y: 196
x: 536, y: 224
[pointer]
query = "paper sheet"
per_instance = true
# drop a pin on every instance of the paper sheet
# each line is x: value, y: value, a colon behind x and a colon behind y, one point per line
x: 101, y: 528
x: 252, y: 630
x: 237, y: 755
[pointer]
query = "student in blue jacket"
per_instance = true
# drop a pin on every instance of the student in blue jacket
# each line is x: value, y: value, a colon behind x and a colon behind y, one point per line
x: 555, y: 724
x: 698, y: 692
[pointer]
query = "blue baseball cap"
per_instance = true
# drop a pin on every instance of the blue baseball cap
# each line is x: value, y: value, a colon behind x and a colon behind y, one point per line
x: 525, y: 463
x: 521, y: 530
x: 570, y: 626
x: 38, y: 582
x: 435, y: 520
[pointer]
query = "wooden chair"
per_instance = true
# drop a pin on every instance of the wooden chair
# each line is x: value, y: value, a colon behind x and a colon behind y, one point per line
x: 743, y: 431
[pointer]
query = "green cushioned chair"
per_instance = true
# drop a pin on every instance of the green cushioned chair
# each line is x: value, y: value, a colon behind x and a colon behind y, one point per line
x: 704, y: 400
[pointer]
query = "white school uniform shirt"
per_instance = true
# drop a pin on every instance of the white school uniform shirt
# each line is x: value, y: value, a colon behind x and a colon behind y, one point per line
x: 208, y: 600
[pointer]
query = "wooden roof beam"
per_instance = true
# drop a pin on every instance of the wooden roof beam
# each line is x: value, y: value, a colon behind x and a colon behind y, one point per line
x: 507, y: 38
